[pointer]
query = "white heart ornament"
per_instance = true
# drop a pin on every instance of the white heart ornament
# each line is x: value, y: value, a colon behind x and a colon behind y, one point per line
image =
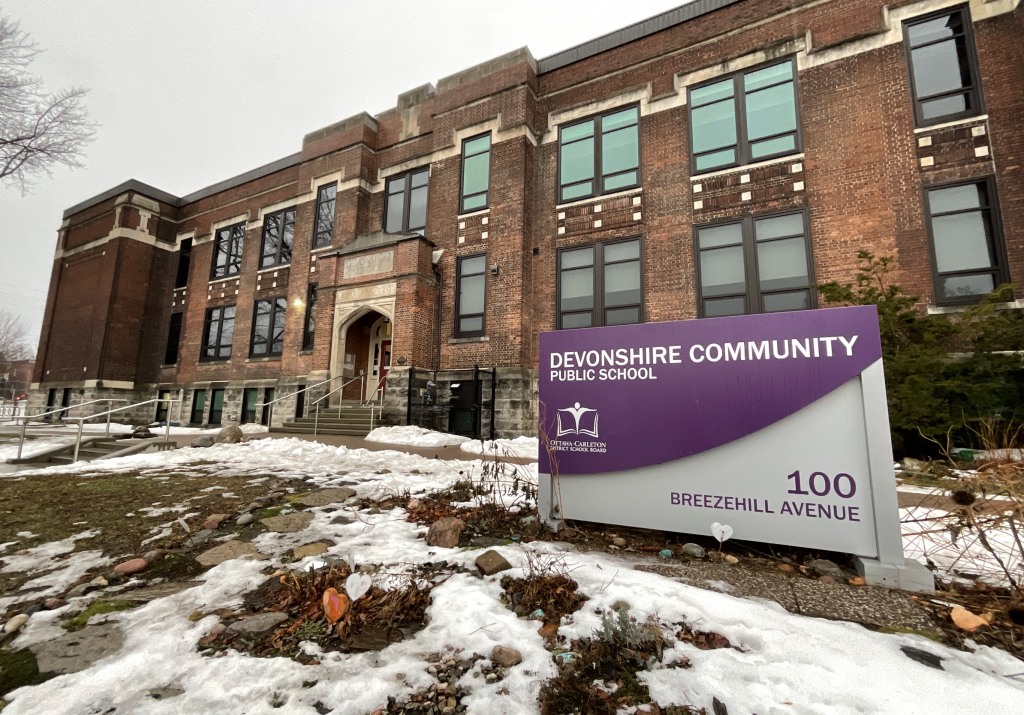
x: 722, y: 532
x: 357, y: 584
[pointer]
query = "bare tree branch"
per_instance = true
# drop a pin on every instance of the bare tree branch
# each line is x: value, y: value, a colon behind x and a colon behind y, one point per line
x: 14, y: 340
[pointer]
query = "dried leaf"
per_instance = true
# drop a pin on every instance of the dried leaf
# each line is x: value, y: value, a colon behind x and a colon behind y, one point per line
x: 966, y: 620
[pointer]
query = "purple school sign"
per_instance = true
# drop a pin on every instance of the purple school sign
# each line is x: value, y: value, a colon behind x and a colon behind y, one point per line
x: 774, y: 424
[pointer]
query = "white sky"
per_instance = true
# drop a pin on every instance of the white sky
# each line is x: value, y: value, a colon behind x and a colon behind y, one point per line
x: 190, y: 93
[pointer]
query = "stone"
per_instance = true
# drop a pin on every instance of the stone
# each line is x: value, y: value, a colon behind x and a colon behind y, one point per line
x: 914, y: 465
x: 259, y: 624
x: 244, y: 519
x: 76, y: 651
x: 857, y: 581
x: 100, y: 581
x: 729, y: 558
x: 824, y: 567
x: 665, y: 554
x: 619, y: 541
x: 217, y: 629
x: 16, y: 623
x: 786, y: 567
x: 133, y: 566
x: 225, y: 552
x: 142, y: 432
x: 153, y: 555
x: 695, y: 550
x: 922, y: 656
x: 200, y: 538
x: 444, y: 533
x: 165, y: 693
x: 621, y: 605
x: 827, y: 579
x: 548, y: 630
x: 232, y: 434
x: 213, y: 521
x: 505, y: 657
x: 374, y: 510
x: 288, y: 523
x: 54, y: 603
x: 301, y: 552
x: 487, y: 541
x: 33, y: 609
x: 79, y: 590
x: 341, y: 520
x: 206, y: 440
x: 324, y: 497
x: 491, y: 562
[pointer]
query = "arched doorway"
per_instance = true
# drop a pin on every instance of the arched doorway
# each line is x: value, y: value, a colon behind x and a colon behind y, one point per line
x: 363, y: 348
x: 381, y: 333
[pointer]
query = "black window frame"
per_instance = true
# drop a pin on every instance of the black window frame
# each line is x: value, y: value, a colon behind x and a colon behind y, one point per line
x: 309, y: 321
x: 205, y: 346
x: 974, y: 90
x: 462, y: 175
x: 318, y: 231
x: 599, y: 177
x: 1000, y: 272
x: 743, y: 157
x: 278, y: 303
x: 598, y: 309
x: 753, y: 295
x: 174, y: 338
x: 459, y: 333
x: 224, y: 241
x: 184, y: 263
x: 278, y: 259
x: 406, y: 196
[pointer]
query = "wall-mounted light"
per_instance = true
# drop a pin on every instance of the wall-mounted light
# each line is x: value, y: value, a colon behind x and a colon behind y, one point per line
x: 495, y: 269
x: 298, y: 303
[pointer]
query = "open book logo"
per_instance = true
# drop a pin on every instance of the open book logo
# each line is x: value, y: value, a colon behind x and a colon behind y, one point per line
x: 582, y: 421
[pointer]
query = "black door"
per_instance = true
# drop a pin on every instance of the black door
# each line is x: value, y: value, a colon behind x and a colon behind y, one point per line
x: 162, y: 407
x: 249, y: 396
x: 51, y: 401
x: 65, y: 402
x: 198, y: 407
x: 216, y: 407
x: 300, y: 402
x: 268, y: 409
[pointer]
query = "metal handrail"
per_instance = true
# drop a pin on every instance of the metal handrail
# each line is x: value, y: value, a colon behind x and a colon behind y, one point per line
x: 316, y: 414
x: 305, y: 388
x: 167, y: 428
x: 26, y: 418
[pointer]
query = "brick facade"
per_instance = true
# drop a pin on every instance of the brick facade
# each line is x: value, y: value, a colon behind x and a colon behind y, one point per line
x: 860, y: 176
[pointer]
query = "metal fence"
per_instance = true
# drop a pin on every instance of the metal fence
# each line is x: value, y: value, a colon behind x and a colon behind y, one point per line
x: 454, y: 401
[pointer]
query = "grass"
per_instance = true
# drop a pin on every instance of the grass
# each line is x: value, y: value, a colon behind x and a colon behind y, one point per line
x: 97, y: 608
x: 19, y: 668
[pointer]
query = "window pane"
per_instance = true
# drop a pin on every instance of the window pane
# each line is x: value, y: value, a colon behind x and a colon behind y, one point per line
x: 941, y: 67
x: 622, y: 284
x: 619, y: 119
x: 767, y: 76
x: 420, y: 178
x: 620, y: 180
x: 778, y: 226
x: 961, y: 242
x: 620, y: 151
x: 781, y: 302
x: 577, y: 320
x: 718, y: 158
x: 782, y: 264
x: 773, y: 146
x: 578, y: 257
x: 396, y: 205
x: 470, y: 325
x: 731, y: 235
x: 935, y: 29
x: 945, y: 106
x: 471, y: 295
x: 572, y: 192
x: 478, y: 145
x: 621, y: 251
x: 957, y: 198
x: 477, y: 264
x: 714, y: 126
x: 771, y: 111
x: 474, y: 202
x: 475, y: 174
x: 418, y: 208
x: 287, y: 236
x: 578, y: 131
x: 712, y: 93
x: 622, y: 316
x: 725, y: 306
x: 577, y: 161
x: 721, y: 271
x: 578, y: 289
x: 271, y: 238
x: 396, y: 186
x: 964, y: 286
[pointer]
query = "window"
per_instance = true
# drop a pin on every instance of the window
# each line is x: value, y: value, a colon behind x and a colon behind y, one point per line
x: 227, y: 251
x: 198, y: 407
x: 600, y: 284
x: 747, y: 117
x: 278, y: 232
x: 599, y: 155
x: 405, y: 206
x: 943, y: 67
x: 218, y: 330
x: 309, y: 332
x: 966, y: 253
x: 471, y: 296
x: 173, y: 338
x: 757, y: 265
x: 476, y: 173
x: 216, y: 407
x: 268, y: 328
x: 184, y: 261
x: 323, y: 231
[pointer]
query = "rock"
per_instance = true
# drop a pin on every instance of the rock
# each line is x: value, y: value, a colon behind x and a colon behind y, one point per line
x: 213, y: 521
x: 165, y: 693
x: 341, y: 519
x: 76, y: 651
x: 259, y: 624
x: 301, y: 552
x: 289, y: 523
x: 374, y: 510
x: 665, y: 554
x: 33, y: 609
x: 621, y: 605
x: 99, y: 581
x: 914, y: 465
x: 444, y: 533
x: 217, y: 629
x: 133, y: 566
x: 153, y: 555
x: 521, y: 610
x: 491, y: 562
x: 505, y: 657
x: 206, y: 440
x: 324, y: 497
x: 225, y: 552
x: 619, y: 541
x: 15, y: 623
x: 79, y: 590
x: 695, y: 550
x: 548, y: 630
x: 857, y: 581
x: 21, y: 552
x: 966, y: 620
x: 231, y: 434
x: 200, y: 538
x: 823, y: 567
x: 827, y: 579
x: 142, y: 432
x: 244, y: 519
x: 486, y: 542
x: 786, y: 567
x: 54, y: 603
x: 729, y: 558
x: 922, y: 656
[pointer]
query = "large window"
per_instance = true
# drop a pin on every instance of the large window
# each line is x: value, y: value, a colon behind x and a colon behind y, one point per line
x: 471, y: 296
x: 599, y: 155
x: 184, y: 261
x: 944, y: 76
x: 173, y: 338
x: 747, y: 117
x: 476, y: 173
x: 966, y: 250
x: 600, y: 284
x: 309, y: 331
x: 218, y: 330
x: 405, y: 206
x: 756, y: 265
x: 323, y: 231
x: 278, y: 233
x: 227, y: 251
x: 268, y: 328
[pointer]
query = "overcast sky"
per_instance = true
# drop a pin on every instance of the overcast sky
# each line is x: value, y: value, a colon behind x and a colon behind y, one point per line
x: 190, y: 93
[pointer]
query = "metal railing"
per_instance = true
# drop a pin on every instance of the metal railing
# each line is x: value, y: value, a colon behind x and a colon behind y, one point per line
x: 25, y: 419
x: 316, y: 416
x: 378, y: 406
x: 167, y: 423
x: 305, y: 388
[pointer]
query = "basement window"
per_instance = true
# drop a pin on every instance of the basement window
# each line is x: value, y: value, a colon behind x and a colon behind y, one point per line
x: 943, y: 67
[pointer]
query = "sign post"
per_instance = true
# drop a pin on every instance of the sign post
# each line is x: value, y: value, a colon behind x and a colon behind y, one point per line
x: 776, y: 424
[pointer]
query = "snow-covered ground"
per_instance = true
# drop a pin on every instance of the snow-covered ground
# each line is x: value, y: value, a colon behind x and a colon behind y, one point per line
x: 518, y: 447
x: 414, y: 437
x: 783, y: 663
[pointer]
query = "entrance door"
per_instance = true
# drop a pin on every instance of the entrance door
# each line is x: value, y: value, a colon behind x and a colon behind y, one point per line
x: 198, y: 406
x: 249, y: 405
x: 65, y: 402
x: 162, y: 407
x: 268, y: 409
x: 380, y: 357
x: 216, y: 407
x: 51, y: 402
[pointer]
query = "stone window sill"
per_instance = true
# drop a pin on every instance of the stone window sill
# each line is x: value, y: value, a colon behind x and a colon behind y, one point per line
x: 173, y: 364
x: 459, y: 341
x: 213, y: 362
x: 306, y: 352
x: 272, y: 358
x: 955, y: 309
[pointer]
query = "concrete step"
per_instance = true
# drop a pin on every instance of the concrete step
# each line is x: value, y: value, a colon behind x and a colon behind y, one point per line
x: 349, y: 431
